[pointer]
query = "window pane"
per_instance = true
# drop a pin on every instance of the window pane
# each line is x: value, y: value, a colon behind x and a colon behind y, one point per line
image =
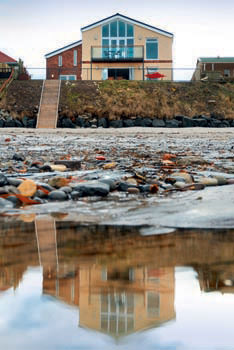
x: 121, y: 28
x: 75, y: 57
x: 129, y: 30
x: 105, y: 31
x: 129, y: 42
x: 105, y: 42
x: 151, y: 50
x: 113, y: 29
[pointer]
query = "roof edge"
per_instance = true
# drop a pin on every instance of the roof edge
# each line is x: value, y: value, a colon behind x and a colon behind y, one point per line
x: 62, y: 49
x: 161, y: 31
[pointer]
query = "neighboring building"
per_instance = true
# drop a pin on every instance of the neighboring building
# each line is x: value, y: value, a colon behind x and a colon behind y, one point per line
x: 6, y: 65
x: 214, y: 67
x: 116, y: 47
x: 65, y: 63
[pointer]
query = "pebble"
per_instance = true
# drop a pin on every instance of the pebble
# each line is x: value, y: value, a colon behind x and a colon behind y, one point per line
x: 221, y: 180
x: 133, y: 190
x: 209, y: 181
x: 66, y: 189
x: 59, y: 167
x: 179, y: 184
x: 182, y: 177
x: 96, y: 188
x: 3, y: 180
x: 27, y: 188
x: 58, y: 182
x: 18, y: 157
x: 14, y: 182
x: 57, y: 195
x: 4, y: 203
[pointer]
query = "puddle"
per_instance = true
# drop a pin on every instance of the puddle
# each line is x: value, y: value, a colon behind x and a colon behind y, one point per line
x: 66, y: 286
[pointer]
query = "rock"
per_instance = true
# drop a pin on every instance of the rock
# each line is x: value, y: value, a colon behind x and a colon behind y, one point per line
x: 158, y: 123
x: 46, y: 168
x: 215, y: 123
x: 58, y: 167
x: 67, y: 123
x: 190, y: 160
x: 116, y: 123
x: 221, y: 180
x: 41, y: 194
x: 10, y: 123
x: 124, y: 186
x: 76, y: 195
x: 127, y: 123
x: 96, y: 188
x: 14, y: 182
x: 102, y: 123
x: 57, y: 195
x: 18, y: 123
x: 14, y: 200
x: 3, y: 180
x: 111, y: 182
x: 200, y: 122
x: 147, y: 122
x: 209, y: 181
x: 5, y: 204
x: 80, y: 122
x: 185, y: 177
x: 46, y: 186
x: 71, y: 164
x: 230, y: 181
x: 27, y: 188
x: 31, y: 123
x: 25, y: 121
x: 18, y: 157
x: 133, y: 190
x: 109, y: 166
x: 58, y: 182
x: 186, y: 121
x: 66, y: 189
x: 2, y: 123
x: 179, y: 184
x: 172, y: 123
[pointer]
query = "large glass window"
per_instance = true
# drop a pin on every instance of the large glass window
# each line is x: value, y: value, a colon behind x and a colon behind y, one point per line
x: 130, y: 30
x: 151, y: 49
x: 105, y: 31
x: 113, y: 29
x: 121, y: 29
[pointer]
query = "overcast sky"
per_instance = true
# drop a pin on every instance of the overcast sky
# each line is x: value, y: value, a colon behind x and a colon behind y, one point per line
x: 31, y: 28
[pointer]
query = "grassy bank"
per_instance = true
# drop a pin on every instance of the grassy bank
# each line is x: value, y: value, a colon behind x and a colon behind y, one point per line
x: 126, y: 99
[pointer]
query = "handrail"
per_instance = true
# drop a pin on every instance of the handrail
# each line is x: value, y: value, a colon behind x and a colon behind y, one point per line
x: 38, y: 114
x: 56, y: 120
x: 8, y: 81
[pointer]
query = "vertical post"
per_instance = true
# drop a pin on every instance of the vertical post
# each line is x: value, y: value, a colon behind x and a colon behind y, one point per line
x: 143, y: 68
x: 91, y: 66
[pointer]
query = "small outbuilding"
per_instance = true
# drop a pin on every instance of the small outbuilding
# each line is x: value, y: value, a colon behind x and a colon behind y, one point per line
x: 7, y: 63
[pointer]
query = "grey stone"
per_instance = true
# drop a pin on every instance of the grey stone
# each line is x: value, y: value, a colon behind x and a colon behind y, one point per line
x: 18, y: 157
x: 3, y: 180
x: 95, y: 188
x: 14, y: 182
x: 5, y: 203
x: 172, y: 123
x: 116, y: 123
x: 158, y: 123
x: 57, y: 195
x: 128, y: 123
x: 66, y: 189
x: 102, y: 123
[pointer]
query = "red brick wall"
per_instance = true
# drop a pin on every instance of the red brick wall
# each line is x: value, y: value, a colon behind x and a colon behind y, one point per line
x: 219, y: 67
x: 53, y: 71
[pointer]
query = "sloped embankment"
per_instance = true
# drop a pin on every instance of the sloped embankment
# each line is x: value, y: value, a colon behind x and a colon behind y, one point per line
x: 125, y: 99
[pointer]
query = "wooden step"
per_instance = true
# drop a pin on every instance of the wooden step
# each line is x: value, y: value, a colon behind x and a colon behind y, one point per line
x: 48, y: 112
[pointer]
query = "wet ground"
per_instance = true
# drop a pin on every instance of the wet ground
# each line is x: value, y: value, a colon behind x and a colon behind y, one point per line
x: 147, y: 265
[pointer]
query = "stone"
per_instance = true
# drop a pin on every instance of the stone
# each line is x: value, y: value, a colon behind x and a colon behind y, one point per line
x: 209, y: 181
x: 116, y: 123
x: 14, y: 200
x: 172, y: 123
x: 179, y: 184
x: 58, y: 182
x: 147, y: 122
x: 111, y: 182
x: 27, y: 188
x: 2, y: 123
x: 18, y: 157
x: 221, y: 180
x: 133, y: 190
x: 57, y: 195
x: 185, y: 177
x: 58, y: 167
x: 102, y: 123
x: 80, y: 122
x: 14, y: 182
x: 10, y: 123
x: 3, y: 180
x: 158, y: 123
x: 75, y: 195
x: 96, y: 188
x: 18, y: 123
x: 71, y: 164
x: 25, y: 121
x: 127, y: 123
x: 31, y: 123
x: 4, y: 203
x: 200, y: 122
x: 46, y: 168
x: 67, y: 123
x: 66, y: 189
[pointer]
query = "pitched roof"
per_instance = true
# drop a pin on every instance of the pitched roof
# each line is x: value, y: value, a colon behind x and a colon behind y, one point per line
x: 216, y: 59
x: 131, y: 20
x: 6, y: 59
x: 62, y: 49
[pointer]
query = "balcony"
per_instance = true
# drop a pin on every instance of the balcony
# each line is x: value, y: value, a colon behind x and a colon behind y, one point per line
x: 117, y: 54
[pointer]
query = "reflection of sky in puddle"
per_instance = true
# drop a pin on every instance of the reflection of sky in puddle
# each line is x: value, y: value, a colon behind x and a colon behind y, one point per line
x: 30, y: 320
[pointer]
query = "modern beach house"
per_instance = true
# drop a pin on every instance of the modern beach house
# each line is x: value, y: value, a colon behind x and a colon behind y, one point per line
x: 116, y: 47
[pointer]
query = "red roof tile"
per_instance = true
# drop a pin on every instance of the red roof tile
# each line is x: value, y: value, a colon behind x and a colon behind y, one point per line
x: 6, y: 59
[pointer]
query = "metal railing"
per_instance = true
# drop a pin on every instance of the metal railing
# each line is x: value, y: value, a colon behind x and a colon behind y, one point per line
x: 117, y: 54
x: 96, y: 73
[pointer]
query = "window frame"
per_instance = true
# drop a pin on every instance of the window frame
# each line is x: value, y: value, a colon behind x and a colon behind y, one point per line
x: 60, y: 60
x: 152, y: 40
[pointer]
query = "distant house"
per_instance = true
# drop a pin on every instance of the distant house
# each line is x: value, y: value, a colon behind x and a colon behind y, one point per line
x: 65, y: 63
x: 6, y: 65
x: 214, y: 67
x: 116, y: 47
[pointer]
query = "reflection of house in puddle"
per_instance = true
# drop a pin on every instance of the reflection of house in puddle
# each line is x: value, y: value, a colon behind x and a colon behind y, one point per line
x: 125, y: 301
x: 117, y: 300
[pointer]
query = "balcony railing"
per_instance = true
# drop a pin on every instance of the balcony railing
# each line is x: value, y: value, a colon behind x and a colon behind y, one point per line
x: 117, y: 54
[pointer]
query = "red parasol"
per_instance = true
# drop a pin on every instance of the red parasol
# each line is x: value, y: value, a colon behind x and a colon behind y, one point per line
x: 155, y: 75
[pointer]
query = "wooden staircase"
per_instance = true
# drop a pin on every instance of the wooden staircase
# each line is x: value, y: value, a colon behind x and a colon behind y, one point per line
x: 48, y: 111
